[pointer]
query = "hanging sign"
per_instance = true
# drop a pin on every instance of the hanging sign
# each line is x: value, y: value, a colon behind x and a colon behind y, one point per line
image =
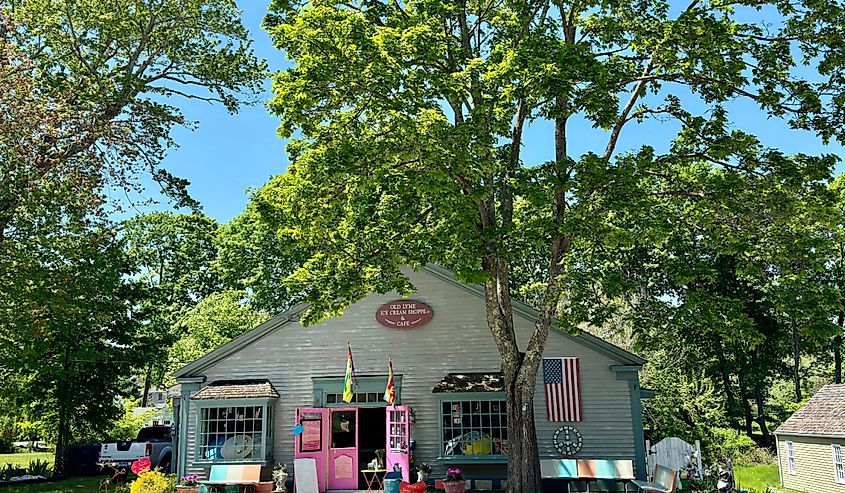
x: 404, y: 314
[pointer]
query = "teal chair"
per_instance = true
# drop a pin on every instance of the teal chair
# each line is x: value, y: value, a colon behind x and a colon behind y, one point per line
x: 559, y: 469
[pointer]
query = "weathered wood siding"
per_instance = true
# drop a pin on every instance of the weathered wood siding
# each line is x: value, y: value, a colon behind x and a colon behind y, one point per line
x: 814, y: 470
x: 456, y: 340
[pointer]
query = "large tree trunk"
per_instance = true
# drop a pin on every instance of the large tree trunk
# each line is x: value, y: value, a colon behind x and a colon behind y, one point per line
x: 523, y: 454
x: 796, y: 361
x: 725, y: 377
x: 836, y: 342
x: 147, y: 379
x: 520, y: 374
x: 761, y: 415
x: 746, y: 407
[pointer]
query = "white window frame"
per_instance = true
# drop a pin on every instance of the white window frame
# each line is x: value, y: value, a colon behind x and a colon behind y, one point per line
x: 262, y: 455
x: 838, y: 465
x: 791, y: 466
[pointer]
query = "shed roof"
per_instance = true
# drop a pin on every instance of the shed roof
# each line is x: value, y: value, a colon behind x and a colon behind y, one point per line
x: 822, y: 415
x: 237, y: 389
x: 471, y: 382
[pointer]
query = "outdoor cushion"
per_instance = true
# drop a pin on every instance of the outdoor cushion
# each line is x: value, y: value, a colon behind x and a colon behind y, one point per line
x: 623, y: 469
x: 558, y: 469
x: 234, y: 473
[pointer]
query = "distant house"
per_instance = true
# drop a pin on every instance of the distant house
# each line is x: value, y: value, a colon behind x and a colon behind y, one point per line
x: 811, y: 444
x: 157, y: 411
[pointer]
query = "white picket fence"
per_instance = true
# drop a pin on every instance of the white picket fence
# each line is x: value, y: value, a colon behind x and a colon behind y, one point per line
x: 672, y: 452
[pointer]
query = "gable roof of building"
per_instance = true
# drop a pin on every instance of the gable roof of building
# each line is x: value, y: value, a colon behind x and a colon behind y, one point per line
x: 586, y: 339
x: 823, y: 415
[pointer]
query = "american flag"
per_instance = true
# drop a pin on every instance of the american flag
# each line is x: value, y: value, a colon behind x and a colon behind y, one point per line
x: 562, y: 381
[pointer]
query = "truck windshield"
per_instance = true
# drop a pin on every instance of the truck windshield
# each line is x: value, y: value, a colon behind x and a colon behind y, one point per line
x: 154, y: 433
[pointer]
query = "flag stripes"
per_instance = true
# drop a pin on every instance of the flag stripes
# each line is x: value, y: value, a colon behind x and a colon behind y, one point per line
x: 562, y: 384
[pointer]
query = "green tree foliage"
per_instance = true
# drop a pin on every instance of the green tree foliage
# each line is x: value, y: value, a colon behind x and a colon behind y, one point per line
x: 173, y: 255
x: 252, y: 258
x: 102, y: 73
x: 410, y: 120
x: 213, y: 322
x: 68, y: 311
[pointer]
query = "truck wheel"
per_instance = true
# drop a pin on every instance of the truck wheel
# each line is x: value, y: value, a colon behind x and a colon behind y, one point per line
x: 164, y: 465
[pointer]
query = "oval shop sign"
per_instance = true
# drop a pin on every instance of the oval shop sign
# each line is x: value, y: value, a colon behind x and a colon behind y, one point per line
x: 404, y: 314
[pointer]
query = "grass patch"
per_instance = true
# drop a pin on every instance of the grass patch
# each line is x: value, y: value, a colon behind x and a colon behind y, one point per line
x: 23, y: 458
x: 72, y: 485
x: 758, y: 478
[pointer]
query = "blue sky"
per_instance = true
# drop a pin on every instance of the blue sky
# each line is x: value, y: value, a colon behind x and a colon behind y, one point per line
x: 226, y: 155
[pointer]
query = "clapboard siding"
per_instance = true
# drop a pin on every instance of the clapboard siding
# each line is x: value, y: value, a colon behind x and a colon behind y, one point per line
x: 814, y: 472
x: 456, y: 340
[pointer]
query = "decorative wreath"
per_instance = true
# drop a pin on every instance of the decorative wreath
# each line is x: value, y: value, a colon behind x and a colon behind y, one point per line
x: 567, y: 441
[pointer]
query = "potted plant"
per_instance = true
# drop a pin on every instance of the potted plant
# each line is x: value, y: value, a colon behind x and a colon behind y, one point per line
x: 280, y: 475
x: 188, y: 484
x: 455, y: 482
x: 423, y: 472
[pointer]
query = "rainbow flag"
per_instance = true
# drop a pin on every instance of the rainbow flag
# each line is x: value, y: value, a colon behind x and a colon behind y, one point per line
x: 390, y: 390
x: 349, y: 385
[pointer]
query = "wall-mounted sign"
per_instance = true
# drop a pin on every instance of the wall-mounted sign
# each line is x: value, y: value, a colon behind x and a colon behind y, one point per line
x: 404, y: 314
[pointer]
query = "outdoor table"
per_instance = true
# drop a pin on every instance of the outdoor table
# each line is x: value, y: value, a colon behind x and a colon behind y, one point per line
x: 374, y: 480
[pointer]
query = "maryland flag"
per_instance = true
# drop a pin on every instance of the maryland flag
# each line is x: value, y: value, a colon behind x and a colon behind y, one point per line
x: 349, y: 384
x: 390, y: 390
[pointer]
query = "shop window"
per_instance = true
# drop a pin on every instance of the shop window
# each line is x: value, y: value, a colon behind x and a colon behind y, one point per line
x: 234, y: 433
x: 474, y: 428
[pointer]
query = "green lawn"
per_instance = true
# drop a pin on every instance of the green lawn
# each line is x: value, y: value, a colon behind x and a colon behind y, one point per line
x: 23, y: 459
x: 758, y: 478
x: 73, y: 485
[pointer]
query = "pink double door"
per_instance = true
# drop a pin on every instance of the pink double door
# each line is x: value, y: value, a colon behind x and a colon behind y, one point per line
x: 330, y: 437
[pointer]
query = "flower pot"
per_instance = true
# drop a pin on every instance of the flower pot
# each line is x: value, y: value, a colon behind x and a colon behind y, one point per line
x: 455, y: 486
x: 279, y: 479
x: 187, y: 489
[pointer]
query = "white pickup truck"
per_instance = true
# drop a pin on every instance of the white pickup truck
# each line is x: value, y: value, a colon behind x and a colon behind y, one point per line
x: 153, y: 442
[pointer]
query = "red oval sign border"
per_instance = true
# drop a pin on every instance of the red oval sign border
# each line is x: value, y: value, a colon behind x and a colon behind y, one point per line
x: 404, y: 314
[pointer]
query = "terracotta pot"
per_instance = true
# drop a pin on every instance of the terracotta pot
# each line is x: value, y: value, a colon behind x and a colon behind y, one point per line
x: 187, y: 489
x: 455, y: 486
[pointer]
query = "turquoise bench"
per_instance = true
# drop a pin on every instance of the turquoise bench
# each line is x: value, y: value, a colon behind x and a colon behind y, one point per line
x: 233, y: 474
x: 588, y: 471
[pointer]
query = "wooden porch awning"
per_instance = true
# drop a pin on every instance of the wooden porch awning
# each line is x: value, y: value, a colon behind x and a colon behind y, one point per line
x: 237, y: 389
x: 471, y: 382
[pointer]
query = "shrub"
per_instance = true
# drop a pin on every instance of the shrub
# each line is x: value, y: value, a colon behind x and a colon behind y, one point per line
x: 727, y: 442
x: 757, y: 456
x: 153, y: 482
x: 39, y: 467
x: 10, y: 471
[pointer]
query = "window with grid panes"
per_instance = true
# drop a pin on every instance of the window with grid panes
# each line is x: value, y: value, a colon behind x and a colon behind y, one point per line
x: 790, y: 458
x: 838, y: 467
x: 474, y: 428
x: 234, y: 433
x: 359, y: 398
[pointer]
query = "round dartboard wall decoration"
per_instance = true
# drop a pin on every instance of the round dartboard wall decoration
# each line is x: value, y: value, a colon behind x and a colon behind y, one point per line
x: 567, y: 441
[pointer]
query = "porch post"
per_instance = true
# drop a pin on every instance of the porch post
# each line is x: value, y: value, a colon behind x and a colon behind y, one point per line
x: 189, y: 385
x: 632, y: 375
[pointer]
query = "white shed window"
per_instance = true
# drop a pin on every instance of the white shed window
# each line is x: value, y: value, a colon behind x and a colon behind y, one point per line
x: 234, y: 433
x: 790, y: 458
x: 838, y: 468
